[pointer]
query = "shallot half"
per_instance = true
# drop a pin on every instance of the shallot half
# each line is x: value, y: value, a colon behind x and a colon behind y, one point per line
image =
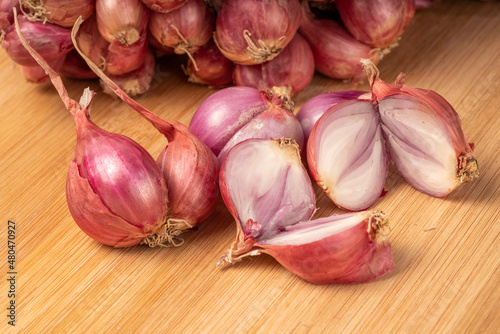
x: 350, y: 146
x: 268, y: 192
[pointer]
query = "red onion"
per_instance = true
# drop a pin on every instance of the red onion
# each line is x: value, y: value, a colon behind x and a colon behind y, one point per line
x: 90, y: 41
x: 189, y: 167
x: 75, y: 67
x: 234, y: 114
x: 251, y: 32
x: 336, y: 52
x: 292, y: 70
x: 184, y: 29
x: 268, y: 192
x: 123, y: 20
x: 208, y: 66
x: 424, y: 136
x: 376, y: 23
x: 136, y: 82
x: 49, y: 40
x: 61, y: 12
x: 315, y: 107
x: 164, y: 6
x: 115, y: 190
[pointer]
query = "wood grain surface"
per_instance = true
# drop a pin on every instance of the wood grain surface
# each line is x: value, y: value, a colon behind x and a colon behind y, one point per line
x: 446, y: 251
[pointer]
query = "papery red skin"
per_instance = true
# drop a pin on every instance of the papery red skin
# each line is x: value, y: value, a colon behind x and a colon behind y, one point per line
x: 158, y: 48
x: 376, y: 23
x: 292, y: 69
x: 122, y: 59
x: 194, y: 21
x: 36, y: 74
x: 274, y: 22
x: 351, y: 256
x: 192, y: 195
x: 65, y: 12
x: 136, y: 82
x: 336, y: 52
x: 124, y: 20
x: 49, y: 40
x: 213, y: 68
x: 164, y: 6
x: 441, y: 108
x: 76, y: 68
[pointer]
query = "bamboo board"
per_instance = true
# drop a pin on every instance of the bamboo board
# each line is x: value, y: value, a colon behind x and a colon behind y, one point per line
x: 446, y: 251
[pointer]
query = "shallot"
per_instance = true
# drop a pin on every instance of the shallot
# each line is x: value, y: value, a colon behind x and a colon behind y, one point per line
x: 376, y: 23
x: 208, y: 66
x: 349, y: 148
x: 292, y: 70
x: 234, y: 114
x: 164, y: 6
x: 124, y: 20
x: 251, y: 32
x: 51, y: 41
x: 184, y: 29
x: 188, y: 166
x: 336, y: 52
x: 115, y: 190
x: 268, y: 192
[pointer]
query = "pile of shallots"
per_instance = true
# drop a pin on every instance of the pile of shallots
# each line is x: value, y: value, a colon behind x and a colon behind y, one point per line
x: 260, y: 44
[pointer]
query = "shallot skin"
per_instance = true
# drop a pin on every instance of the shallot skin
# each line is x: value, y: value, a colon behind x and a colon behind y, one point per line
x: 250, y: 32
x: 61, y: 12
x: 164, y: 6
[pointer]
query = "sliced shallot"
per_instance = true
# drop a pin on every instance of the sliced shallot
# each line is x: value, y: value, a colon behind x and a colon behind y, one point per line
x: 268, y: 192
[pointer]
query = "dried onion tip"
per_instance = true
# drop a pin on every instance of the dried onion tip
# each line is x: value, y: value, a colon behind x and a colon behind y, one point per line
x: 292, y: 70
x: 268, y: 192
x: 61, y: 12
x: 234, y: 114
x: 114, y: 189
x: 250, y: 32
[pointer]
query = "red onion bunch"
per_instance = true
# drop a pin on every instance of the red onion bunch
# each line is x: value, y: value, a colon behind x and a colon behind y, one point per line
x: 268, y: 192
x: 349, y: 148
x: 117, y: 193
x: 234, y: 114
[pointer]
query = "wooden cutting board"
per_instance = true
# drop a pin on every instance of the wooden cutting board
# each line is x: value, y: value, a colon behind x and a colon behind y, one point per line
x: 446, y: 251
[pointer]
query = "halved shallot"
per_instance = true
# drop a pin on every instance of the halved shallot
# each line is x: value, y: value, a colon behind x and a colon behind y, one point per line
x: 268, y: 192
x: 350, y: 145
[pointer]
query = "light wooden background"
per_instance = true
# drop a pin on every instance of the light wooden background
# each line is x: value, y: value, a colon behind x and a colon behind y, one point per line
x: 446, y: 251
